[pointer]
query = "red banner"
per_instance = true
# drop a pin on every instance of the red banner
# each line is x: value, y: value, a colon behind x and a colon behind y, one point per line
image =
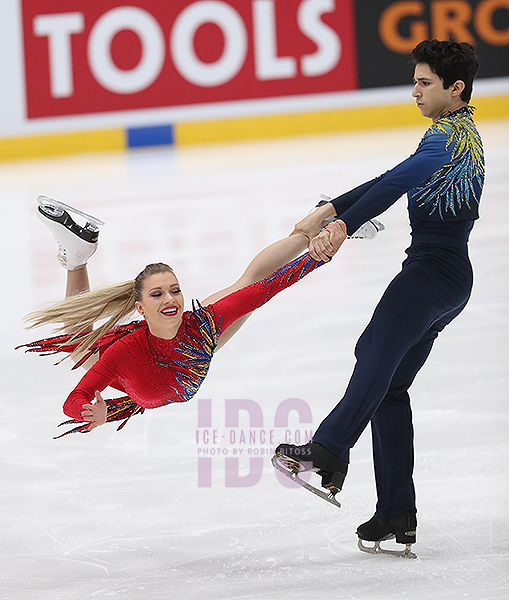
x: 87, y: 56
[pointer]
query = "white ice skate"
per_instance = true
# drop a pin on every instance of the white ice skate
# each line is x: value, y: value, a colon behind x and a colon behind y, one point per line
x: 76, y: 243
x: 367, y: 231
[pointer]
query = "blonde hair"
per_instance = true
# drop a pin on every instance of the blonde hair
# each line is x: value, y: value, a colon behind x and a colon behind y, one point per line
x: 78, y: 314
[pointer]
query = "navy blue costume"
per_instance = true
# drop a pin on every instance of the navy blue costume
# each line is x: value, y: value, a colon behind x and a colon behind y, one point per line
x: 443, y: 180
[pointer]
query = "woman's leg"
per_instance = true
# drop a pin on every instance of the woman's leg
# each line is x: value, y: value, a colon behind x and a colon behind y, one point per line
x: 76, y: 244
x: 77, y: 282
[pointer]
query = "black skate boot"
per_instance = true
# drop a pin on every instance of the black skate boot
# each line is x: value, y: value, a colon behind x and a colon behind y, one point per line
x: 291, y: 459
x: 376, y: 530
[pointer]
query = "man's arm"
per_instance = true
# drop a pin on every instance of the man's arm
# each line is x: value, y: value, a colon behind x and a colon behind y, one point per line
x: 387, y: 189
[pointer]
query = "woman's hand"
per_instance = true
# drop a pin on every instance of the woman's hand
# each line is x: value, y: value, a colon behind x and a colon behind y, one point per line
x: 327, y: 242
x: 95, y: 413
x: 312, y: 223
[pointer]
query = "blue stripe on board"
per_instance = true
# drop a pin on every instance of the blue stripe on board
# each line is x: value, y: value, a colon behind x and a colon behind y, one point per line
x: 153, y: 135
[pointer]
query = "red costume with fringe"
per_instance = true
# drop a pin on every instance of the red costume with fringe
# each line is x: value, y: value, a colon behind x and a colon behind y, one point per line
x: 152, y: 371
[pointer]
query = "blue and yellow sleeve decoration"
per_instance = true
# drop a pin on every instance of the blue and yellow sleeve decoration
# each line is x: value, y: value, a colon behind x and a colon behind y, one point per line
x: 454, y: 190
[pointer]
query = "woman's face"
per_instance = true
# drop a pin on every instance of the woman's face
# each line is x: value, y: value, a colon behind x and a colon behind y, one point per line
x: 162, y: 304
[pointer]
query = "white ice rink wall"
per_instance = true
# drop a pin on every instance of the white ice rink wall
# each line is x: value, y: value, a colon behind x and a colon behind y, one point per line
x: 102, y: 75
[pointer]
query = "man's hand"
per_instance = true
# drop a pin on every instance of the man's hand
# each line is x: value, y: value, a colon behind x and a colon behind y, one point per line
x: 327, y: 243
x: 95, y: 412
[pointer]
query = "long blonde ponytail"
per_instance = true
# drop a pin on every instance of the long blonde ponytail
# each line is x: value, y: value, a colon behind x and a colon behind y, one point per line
x: 78, y: 314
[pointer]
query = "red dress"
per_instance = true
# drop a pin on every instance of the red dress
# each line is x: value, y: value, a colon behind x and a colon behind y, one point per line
x: 152, y: 371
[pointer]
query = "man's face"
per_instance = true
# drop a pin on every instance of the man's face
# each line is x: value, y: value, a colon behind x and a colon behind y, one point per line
x: 429, y: 93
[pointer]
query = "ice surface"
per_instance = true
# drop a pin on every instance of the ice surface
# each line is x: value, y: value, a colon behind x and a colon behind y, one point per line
x: 121, y: 515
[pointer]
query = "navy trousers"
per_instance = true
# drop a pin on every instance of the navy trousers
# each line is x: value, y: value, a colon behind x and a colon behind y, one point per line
x: 432, y: 288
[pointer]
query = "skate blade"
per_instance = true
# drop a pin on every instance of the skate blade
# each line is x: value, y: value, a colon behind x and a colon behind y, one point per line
x: 368, y: 231
x: 279, y: 462
x: 290, y: 464
x: 377, y: 549
x: 44, y: 200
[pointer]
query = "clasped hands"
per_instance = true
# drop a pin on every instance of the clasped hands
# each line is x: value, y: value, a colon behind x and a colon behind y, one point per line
x: 324, y: 245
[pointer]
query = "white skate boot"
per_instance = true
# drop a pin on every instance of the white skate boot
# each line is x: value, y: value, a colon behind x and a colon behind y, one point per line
x: 367, y: 231
x: 76, y: 243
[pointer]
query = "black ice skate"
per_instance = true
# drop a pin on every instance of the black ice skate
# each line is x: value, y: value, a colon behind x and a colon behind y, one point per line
x: 367, y: 231
x: 291, y: 460
x: 76, y: 243
x: 376, y: 530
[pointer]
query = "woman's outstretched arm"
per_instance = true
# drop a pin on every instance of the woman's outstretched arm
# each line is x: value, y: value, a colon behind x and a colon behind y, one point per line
x: 271, y: 259
x: 267, y: 261
x: 229, y: 309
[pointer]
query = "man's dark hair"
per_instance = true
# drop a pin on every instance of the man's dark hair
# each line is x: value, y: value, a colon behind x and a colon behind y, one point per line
x: 451, y: 61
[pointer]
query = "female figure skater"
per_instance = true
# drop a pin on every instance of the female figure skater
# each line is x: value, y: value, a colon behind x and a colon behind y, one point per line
x: 164, y: 357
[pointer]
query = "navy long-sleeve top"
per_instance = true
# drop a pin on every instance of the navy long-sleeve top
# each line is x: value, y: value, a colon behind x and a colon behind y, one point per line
x: 443, y: 178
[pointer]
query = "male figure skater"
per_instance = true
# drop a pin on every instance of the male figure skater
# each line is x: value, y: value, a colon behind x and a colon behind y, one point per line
x: 444, y: 180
